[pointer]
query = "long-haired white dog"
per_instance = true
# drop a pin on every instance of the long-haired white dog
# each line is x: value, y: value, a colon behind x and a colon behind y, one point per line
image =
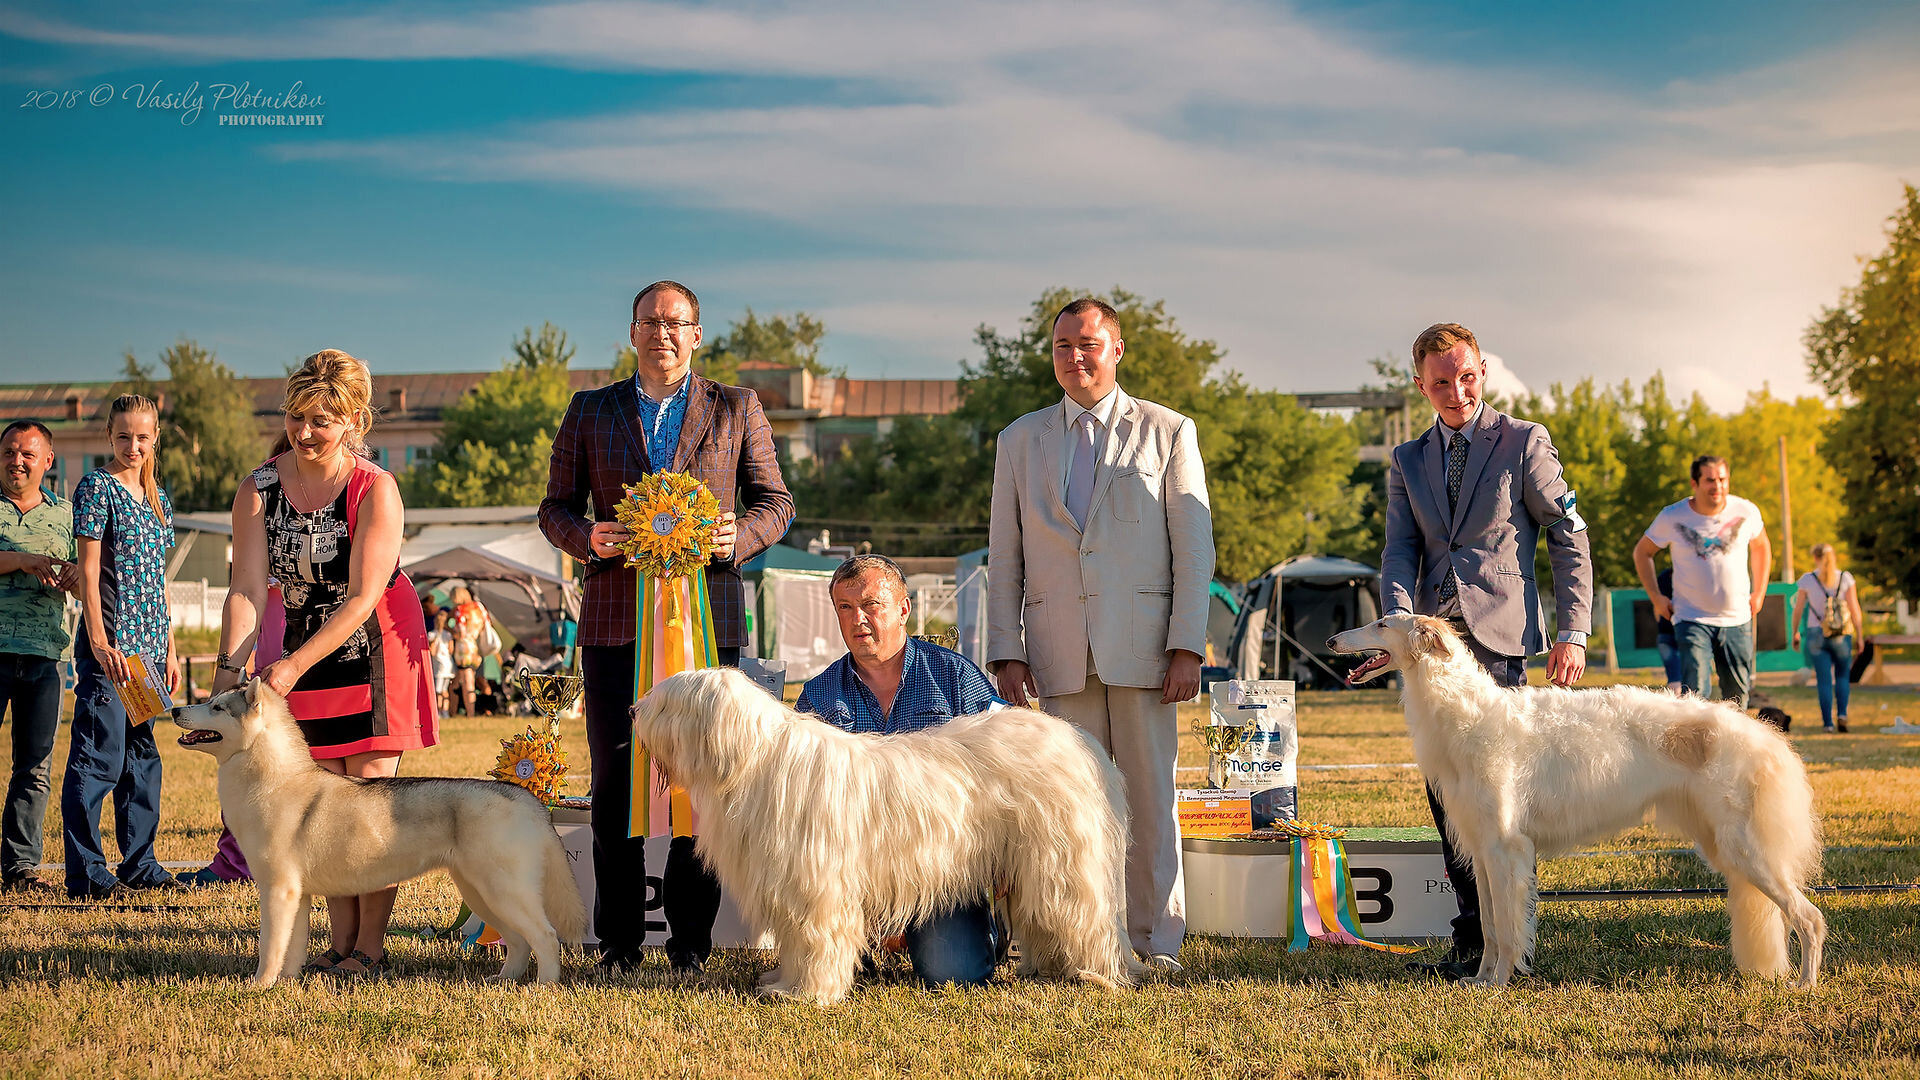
x: 828, y: 839
x: 1534, y: 771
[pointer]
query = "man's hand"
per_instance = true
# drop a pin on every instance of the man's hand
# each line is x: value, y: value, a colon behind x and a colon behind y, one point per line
x: 1015, y: 682
x: 1183, y: 677
x: 1662, y: 607
x: 68, y: 580
x: 1565, y: 663
x: 44, y: 569
x: 1758, y: 600
x: 606, y: 536
x: 723, y: 536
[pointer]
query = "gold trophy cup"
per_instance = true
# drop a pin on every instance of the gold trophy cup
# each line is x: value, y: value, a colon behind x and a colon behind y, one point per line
x: 552, y: 692
x: 1221, y: 741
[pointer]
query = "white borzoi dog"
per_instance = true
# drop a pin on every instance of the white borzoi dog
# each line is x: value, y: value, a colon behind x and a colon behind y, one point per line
x: 1531, y: 772
x: 305, y: 830
x: 828, y: 840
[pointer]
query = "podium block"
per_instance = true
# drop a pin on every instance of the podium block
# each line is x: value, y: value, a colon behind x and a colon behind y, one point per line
x: 1238, y: 888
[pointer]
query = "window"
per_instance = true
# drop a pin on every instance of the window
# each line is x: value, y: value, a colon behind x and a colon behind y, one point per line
x: 418, y: 454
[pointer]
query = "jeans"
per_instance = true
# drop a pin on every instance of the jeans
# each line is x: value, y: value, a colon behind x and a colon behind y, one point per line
x: 1669, y: 656
x: 30, y: 689
x: 957, y: 947
x: 1468, y: 934
x: 108, y: 756
x: 1831, y: 659
x: 1704, y: 648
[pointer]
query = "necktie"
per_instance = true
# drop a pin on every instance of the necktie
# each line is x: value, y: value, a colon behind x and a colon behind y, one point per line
x: 1080, y: 477
x: 1456, y: 470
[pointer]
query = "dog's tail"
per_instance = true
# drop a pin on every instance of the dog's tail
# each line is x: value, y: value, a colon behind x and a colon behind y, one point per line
x: 1785, y: 842
x: 561, y: 893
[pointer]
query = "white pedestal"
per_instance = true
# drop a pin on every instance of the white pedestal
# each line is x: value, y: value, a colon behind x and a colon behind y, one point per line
x: 1238, y: 888
x: 729, y: 932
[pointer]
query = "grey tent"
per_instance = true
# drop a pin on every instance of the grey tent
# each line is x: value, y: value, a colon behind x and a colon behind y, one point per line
x: 1291, y: 611
x: 522, y: 599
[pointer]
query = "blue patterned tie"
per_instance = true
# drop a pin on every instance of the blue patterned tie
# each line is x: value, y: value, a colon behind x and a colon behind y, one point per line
x: 1456, y: 471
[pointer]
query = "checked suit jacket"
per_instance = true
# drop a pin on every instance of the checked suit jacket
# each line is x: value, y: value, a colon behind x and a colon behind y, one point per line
x: 725, y: 443
x: 1512, y: 492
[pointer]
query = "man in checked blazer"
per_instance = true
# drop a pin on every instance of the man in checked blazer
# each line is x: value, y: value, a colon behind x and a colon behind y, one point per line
x: 1466, y: 504
x: 665, y: 417
x: 1100, y: 553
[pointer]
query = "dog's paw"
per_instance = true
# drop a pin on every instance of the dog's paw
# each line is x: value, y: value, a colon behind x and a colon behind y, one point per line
x: 769, y: 977
x: 261, y: 982
x: 773, y: 991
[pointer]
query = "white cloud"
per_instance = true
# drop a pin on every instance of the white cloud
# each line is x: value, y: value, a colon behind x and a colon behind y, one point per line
x: 1302, y: 197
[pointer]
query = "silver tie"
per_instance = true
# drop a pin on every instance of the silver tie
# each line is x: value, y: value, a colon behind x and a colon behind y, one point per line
x: 1080, y: 477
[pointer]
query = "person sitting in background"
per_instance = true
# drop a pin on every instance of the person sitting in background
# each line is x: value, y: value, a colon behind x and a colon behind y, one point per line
x: 889, y: 683
x: 36, y: 570
x: 1826, y: 615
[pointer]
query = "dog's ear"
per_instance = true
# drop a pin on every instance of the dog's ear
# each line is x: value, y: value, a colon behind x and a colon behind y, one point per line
x: 253, y: 691
x: 1427, y: 638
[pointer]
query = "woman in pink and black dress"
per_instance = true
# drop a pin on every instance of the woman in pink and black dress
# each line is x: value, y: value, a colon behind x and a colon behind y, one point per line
x: 325, y: 523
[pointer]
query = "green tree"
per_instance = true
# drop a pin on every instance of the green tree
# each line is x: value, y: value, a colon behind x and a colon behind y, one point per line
x: 786, y: 340
x: 1866, y: 351
x: 1277, y: 474
x: 208, y: 436
x: 496, y: 441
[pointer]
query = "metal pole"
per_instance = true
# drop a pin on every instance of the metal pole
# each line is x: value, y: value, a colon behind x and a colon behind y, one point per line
x: 1786, y: 517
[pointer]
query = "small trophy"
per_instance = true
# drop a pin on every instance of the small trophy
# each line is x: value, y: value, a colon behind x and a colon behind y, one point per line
x: 552, y: 692
x: 1222, y: 741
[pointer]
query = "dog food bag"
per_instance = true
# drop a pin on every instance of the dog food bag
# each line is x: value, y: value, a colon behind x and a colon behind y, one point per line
x: 1266, y: 761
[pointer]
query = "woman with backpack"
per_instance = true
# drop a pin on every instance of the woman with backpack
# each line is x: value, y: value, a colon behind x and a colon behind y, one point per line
x: 1826, y: 615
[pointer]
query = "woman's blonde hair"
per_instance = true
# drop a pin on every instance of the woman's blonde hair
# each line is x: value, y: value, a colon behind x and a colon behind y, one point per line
x: 149, y: 468
x: 337, y: 383
x: 1826, y: 566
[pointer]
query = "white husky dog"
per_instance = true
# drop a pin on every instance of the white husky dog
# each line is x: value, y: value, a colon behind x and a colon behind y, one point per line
x: 1533, y: 771
x: 305, y: 830
x: 827, y: 839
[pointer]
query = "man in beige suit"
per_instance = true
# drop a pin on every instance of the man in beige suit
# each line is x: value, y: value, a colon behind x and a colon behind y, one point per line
x: 1101, y: 551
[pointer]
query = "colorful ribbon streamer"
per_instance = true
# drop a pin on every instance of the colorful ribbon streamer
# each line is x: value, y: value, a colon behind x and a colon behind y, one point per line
x: 674, y: 633
x: 1320, y: 904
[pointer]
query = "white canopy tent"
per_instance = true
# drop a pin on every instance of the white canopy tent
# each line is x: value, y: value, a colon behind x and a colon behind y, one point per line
x: 522, y: 599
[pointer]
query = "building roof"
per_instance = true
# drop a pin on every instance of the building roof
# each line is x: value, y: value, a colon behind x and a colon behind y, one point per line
x: 886, y: 397
x: 425, y: 394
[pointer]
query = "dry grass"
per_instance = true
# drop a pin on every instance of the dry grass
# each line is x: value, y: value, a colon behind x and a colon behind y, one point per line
x: 1621, y: 989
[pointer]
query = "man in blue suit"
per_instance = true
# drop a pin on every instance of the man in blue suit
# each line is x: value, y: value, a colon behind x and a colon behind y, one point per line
x: 1466, y: 504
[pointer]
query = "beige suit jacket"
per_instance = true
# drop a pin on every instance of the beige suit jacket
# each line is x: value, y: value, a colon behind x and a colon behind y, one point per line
x: 1129, y: 587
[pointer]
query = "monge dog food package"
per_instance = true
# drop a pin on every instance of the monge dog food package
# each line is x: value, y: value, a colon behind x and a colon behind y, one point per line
x: 1265, y: 761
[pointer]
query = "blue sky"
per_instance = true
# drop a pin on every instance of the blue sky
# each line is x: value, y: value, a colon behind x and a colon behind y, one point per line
x: 1609, y: 189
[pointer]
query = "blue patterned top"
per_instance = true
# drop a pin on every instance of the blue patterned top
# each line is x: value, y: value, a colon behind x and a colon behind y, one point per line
x: 661, y: 421
x: 936, y: 685
x: 133, y: 561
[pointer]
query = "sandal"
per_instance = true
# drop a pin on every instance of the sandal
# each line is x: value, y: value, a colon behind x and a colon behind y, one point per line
x: 369, y: 967
x: 322, y: 964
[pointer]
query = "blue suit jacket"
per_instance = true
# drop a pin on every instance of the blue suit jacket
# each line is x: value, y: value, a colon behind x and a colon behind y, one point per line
x: 1512, y: 491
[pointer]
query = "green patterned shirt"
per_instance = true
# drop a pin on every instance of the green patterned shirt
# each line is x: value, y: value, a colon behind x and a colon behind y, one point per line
x: 33, y: 618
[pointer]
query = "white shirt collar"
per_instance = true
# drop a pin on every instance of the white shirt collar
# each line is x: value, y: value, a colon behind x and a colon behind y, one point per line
x: 1102, y: 410
x: 1472, y: 422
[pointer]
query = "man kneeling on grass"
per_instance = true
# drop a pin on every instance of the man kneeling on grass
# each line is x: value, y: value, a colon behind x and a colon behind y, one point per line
x: 889, y: 683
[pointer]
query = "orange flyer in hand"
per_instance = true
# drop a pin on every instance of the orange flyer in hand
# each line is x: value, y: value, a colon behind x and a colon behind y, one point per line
x: 144, y: 694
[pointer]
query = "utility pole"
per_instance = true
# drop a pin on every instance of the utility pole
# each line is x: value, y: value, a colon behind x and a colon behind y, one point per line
x: 1786, y: 517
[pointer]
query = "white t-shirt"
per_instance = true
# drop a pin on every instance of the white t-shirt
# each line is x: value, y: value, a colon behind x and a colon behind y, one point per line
x: 1816, y: 595
x: 1710, y: 580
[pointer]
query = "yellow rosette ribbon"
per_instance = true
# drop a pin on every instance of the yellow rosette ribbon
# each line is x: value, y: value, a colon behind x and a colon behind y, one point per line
x: 671, y: 519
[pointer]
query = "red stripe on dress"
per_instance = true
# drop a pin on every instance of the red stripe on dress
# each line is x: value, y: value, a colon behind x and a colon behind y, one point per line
x: 321, y: 704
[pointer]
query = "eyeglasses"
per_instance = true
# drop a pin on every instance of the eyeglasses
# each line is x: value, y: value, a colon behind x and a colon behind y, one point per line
x: 676, y: 327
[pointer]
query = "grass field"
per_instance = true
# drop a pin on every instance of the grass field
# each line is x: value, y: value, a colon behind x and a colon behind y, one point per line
x: 1630, y: 988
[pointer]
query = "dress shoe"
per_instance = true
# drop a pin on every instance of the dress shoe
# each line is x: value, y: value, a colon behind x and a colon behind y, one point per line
x: 1457, y: 964
x: 687, y: 966
x: 614, y: 964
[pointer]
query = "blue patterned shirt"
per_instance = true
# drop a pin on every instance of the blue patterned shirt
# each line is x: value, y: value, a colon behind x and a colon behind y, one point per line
x: 936, y: 685
x: 133, y: 562
x: 661, y: 421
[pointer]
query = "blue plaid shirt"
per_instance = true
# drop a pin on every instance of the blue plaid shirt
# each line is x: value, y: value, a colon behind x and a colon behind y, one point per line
x: 936, y: 685
x: 661, y: 421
